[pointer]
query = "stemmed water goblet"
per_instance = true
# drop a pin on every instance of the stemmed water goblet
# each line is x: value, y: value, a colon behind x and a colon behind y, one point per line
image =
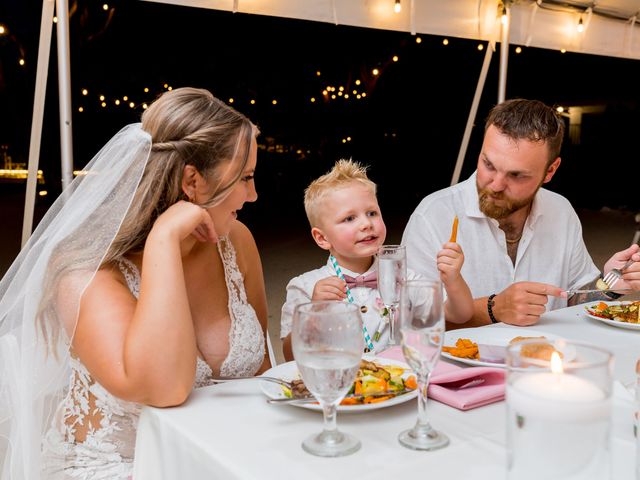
x: 327, y: 344
x: 392, y: 272
x: 422, y: 330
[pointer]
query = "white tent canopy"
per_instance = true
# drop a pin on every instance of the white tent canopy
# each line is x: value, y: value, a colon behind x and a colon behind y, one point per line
x: 605, y: 27
x: 607, y: 24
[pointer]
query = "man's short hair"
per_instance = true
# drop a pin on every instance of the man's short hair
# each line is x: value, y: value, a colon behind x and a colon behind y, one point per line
x: 343, y: 174
x: 531, y: 120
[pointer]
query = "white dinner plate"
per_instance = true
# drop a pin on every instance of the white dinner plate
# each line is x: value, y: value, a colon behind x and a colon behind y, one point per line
x: 289, y: 371
x: 615, y: 323
x: 494, y: 336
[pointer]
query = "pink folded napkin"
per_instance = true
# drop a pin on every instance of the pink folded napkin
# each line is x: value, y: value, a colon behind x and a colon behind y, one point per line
x: 462, y: 388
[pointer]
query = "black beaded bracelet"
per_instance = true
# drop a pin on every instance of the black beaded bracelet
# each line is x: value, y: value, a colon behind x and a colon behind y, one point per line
x: 490, y: 304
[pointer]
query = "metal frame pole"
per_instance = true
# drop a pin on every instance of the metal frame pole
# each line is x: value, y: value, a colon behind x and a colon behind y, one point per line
x: 44, y: 50
x: 455, y: 178
x: 504, y: 53
x: 64, y: 92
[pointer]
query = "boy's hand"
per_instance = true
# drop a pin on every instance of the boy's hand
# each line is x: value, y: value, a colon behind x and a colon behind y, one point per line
x: 330, y: 288
x: 449, y: 261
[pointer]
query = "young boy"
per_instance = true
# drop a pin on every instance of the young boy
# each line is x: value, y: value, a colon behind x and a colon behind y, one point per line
x: 345, y: 219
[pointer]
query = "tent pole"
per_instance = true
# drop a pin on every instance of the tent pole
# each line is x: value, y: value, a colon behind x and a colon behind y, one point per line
x: 504, y: 53
x: 472, y: 113
x: 44, y: 50
x: 64, y: 92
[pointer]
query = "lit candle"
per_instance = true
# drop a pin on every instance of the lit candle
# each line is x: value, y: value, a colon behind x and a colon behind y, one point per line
x: 558, y: 426
x: 559, y: 396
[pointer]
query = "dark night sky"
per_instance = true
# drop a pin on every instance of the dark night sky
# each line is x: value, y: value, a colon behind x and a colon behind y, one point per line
x: 408, y: 128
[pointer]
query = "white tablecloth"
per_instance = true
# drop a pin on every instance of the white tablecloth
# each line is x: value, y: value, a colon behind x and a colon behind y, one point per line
x: 228, y: 431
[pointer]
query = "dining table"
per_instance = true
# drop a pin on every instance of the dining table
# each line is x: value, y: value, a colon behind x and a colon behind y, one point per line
x: 229, y: 431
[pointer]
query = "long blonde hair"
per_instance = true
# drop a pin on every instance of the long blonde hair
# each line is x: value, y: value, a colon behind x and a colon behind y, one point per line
x: 188, y: 126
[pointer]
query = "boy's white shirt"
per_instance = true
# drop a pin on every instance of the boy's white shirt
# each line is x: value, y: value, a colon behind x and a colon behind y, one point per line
x: 300, y: 290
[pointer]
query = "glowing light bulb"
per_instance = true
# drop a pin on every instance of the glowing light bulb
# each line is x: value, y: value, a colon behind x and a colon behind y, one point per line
x: 580, y: 26
x: 481, y: 47
x: 445, y: 41
x: 231, y: 100
x: 21, y: 62
x: 357, y: 82
x: 397, y: 7
x: 375, y: 71
x: 313, y: 99
x: 395, y: 58
x: 80, y: 109
x: 504, y: 18
x: 3, y: 30
x: 105, y: 6
x: 518, y: 50
x: 85, y: 92
x: 418, y: 40
x: 560, y: 109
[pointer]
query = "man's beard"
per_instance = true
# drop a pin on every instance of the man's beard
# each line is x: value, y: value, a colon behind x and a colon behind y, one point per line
x: 509, y: 205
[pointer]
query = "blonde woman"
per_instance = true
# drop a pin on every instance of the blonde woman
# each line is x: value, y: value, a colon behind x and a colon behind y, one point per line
x: 137, y: 286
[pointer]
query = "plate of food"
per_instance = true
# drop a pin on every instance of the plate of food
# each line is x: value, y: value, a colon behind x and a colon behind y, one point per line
x: 380, y: 383
x: 618, y: 314
x: 486, y: 347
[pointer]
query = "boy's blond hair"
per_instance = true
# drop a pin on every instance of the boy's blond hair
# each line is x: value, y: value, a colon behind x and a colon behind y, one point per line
x: 343, y: 173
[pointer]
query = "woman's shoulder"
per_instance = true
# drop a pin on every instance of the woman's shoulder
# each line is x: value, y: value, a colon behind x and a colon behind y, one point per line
x: 243, y: 243
x: 240, y: 236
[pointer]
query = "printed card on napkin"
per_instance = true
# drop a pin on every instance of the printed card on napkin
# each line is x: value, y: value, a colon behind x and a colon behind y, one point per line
x: 458, y: 387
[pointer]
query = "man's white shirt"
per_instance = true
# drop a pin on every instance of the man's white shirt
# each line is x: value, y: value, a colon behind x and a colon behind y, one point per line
x: 551, y: 249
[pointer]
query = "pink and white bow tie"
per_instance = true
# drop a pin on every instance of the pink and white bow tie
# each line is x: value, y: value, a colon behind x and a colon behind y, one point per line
x: 370, y: 280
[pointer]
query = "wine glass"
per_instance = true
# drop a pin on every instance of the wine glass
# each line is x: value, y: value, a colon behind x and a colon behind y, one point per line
x: 392, y: 272
x: 422, y: 330
x: 327, y: 344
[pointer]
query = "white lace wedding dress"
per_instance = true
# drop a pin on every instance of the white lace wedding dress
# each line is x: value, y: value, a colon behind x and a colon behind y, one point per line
x: 110, y: 423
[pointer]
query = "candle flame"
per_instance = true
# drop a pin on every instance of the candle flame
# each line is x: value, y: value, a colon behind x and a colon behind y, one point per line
x: 556, y: 363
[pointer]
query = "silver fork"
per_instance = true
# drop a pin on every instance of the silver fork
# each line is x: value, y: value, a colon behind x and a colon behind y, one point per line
x: 615, y: 274
x: 279, y: 381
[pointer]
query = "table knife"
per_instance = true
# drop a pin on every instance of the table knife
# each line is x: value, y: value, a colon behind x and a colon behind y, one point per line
x: 597, y: 290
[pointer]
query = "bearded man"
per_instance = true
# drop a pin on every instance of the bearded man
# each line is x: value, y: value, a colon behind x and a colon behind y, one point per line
x: 523, y: 244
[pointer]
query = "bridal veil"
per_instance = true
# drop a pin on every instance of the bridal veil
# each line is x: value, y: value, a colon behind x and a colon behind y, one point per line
x: 40, y: 296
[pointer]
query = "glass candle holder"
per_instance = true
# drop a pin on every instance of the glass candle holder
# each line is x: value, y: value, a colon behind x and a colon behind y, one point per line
x: 558, y: 399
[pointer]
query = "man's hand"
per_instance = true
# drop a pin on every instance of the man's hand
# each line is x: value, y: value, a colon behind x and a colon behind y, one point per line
x: 330, y: 288
x: 523, y: 303
x: 631, y: 275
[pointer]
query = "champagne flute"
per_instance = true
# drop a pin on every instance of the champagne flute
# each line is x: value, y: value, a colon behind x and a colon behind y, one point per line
x: 327, y: 344
x: 422, y: 330
x: 392, y: 272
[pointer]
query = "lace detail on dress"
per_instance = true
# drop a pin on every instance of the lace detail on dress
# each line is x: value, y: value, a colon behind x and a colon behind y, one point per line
x: 246, y: 339
x: 94, y: 433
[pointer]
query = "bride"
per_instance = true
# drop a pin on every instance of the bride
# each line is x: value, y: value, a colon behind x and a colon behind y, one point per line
x: 138, y: 285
